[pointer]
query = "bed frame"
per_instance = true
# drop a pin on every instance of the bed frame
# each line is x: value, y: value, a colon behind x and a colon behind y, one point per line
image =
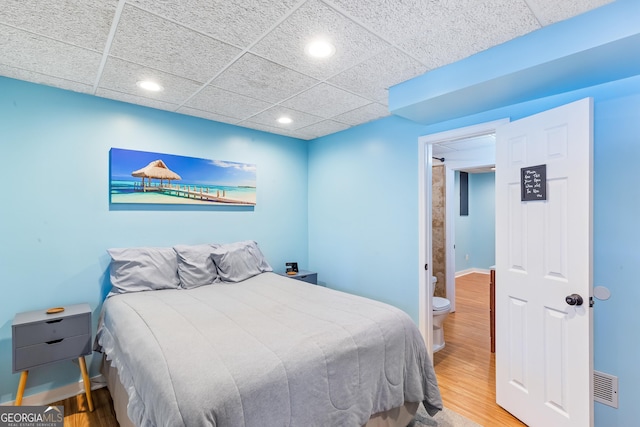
x: 397, y: 417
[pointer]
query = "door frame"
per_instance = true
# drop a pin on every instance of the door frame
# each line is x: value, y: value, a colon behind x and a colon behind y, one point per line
x: 470, y: 158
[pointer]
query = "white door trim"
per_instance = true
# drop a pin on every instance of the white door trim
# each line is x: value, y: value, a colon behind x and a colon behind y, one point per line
x: 425, y: 318
x: 425, y: 143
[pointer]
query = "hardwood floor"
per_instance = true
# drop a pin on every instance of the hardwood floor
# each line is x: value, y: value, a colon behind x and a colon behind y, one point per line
x: 465, y: 367
x: 76, y: 412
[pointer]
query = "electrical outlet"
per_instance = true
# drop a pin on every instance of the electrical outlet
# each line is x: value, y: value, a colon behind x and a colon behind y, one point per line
x: 466, y: 257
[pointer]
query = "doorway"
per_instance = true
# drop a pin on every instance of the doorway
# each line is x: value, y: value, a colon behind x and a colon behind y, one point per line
x: 467, y: 149
x: 469, y: 244
x: 472, y: 249
x: 462, y: 148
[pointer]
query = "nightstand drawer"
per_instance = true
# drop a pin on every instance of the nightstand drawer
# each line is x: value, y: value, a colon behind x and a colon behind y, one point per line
x: 51, y: 330
x: 303, y: 276
x: 54, y: 351
x: 310, y: 278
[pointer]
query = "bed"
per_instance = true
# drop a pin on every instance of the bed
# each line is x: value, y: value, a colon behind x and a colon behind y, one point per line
x: 263, y: 350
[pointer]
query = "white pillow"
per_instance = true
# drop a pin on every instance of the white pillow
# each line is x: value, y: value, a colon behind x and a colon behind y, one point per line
x: 143, y: 269
x: 239, y: 261
x: 195, y: 265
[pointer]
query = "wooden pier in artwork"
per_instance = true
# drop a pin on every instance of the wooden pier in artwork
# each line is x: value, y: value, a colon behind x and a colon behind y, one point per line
x: 189, y: 192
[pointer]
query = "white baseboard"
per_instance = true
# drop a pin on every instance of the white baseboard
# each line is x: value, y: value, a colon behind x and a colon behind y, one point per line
x: 48, y: 396
x: 472, y: 270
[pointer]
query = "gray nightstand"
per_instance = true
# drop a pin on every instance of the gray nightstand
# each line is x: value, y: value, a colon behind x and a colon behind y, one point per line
x: 305, y: 276
x: 40, y: 339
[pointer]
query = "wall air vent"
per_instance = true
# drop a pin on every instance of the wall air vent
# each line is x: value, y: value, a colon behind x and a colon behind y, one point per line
x: 605, y: 388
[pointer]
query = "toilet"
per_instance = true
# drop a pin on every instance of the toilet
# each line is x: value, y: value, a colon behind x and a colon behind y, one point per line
x: 441, y: 309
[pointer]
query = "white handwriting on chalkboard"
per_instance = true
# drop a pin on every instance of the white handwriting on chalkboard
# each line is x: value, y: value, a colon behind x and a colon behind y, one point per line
x: 532, y: 183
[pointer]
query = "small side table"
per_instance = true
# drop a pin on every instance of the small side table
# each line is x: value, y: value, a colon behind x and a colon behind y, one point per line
x: 305, y: 276
x: 40, y: 339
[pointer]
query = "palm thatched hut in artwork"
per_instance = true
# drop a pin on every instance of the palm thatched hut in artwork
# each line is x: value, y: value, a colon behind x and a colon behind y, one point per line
x: 155, y: 170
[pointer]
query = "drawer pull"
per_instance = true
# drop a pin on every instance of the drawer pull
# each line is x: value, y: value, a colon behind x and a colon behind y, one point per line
x: 55, y: 321
x: 55, y: 341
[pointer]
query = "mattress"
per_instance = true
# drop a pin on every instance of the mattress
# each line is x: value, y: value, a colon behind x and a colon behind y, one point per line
x: 268, y: 351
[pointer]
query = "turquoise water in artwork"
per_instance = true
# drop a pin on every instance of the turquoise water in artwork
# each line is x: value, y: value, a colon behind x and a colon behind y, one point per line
x: 130, y: 191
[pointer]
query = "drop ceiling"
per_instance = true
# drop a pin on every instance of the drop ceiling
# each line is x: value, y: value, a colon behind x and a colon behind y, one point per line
x: 243, y: 62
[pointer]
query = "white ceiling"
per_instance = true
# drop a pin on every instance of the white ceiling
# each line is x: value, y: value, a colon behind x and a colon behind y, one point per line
x: 242, y: 61
x: 441, y: 149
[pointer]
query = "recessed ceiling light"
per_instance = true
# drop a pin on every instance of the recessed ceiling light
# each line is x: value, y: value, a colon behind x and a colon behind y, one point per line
x: 320, y: 49
x: 149, y: 85
x: 285, y: 120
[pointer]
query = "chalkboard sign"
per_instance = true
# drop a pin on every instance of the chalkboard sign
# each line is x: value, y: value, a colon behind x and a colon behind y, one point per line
x: 533, y: 183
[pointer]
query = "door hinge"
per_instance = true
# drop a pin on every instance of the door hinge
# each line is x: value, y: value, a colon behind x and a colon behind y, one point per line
x: 426, y: 266
x: 591, y: 302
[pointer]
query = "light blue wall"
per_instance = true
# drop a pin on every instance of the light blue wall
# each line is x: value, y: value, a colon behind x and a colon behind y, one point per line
x: 56, y: 218
x: 366, y: 241
x: 616, y: 249
x: 475, y: 233
x: 482, y: 197
x: 363, y: 211
x: 463, y: 230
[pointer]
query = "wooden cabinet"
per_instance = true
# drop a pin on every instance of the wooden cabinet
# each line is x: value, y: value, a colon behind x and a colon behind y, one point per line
x: 40, y: 339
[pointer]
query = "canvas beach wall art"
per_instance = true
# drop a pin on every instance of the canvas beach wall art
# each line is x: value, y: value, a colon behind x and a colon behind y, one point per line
x: 142, y: 177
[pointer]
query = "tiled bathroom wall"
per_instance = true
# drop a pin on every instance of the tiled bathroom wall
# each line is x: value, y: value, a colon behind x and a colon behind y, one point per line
x: 438, y: 229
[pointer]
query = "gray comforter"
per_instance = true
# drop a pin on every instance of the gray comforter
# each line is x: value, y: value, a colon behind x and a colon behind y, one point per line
x: 269, y: 351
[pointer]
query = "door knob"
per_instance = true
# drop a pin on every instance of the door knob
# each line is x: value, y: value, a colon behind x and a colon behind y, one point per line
x: 574, y: 299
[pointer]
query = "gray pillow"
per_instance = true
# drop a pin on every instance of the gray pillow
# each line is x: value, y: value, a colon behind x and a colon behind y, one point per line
x: 143, y: 269
x: 239, y: 261
x: 195, y: 266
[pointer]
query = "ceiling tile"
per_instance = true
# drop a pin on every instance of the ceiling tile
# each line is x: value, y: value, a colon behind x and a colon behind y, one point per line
x: 219, y: 101
x: 323, y: 128
x: 43, y: 79
x: 154, y: 42
x: 122, y: 76
x: 373, y: 77
x: 285, y: 45
x: 237, y: 22
x: 20, y: 49
x: 363, y: 114
x: 551, y: 11
x: 134, y: 99
x: 261, y: 79
x: 325, y: 101
x: 84, y: 23
x: 270, y: 117
x: 465, y: 27
x: 207, y: 115
x: 414, y: 16
x: 438, y: 33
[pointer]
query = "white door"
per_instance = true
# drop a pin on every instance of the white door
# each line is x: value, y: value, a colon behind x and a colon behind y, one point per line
x: 544, y: 361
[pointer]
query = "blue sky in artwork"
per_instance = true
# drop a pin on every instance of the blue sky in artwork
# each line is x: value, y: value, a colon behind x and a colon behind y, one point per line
x: 192, y: 170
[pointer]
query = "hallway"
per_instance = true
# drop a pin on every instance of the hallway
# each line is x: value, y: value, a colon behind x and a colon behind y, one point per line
x: 466, y: 367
